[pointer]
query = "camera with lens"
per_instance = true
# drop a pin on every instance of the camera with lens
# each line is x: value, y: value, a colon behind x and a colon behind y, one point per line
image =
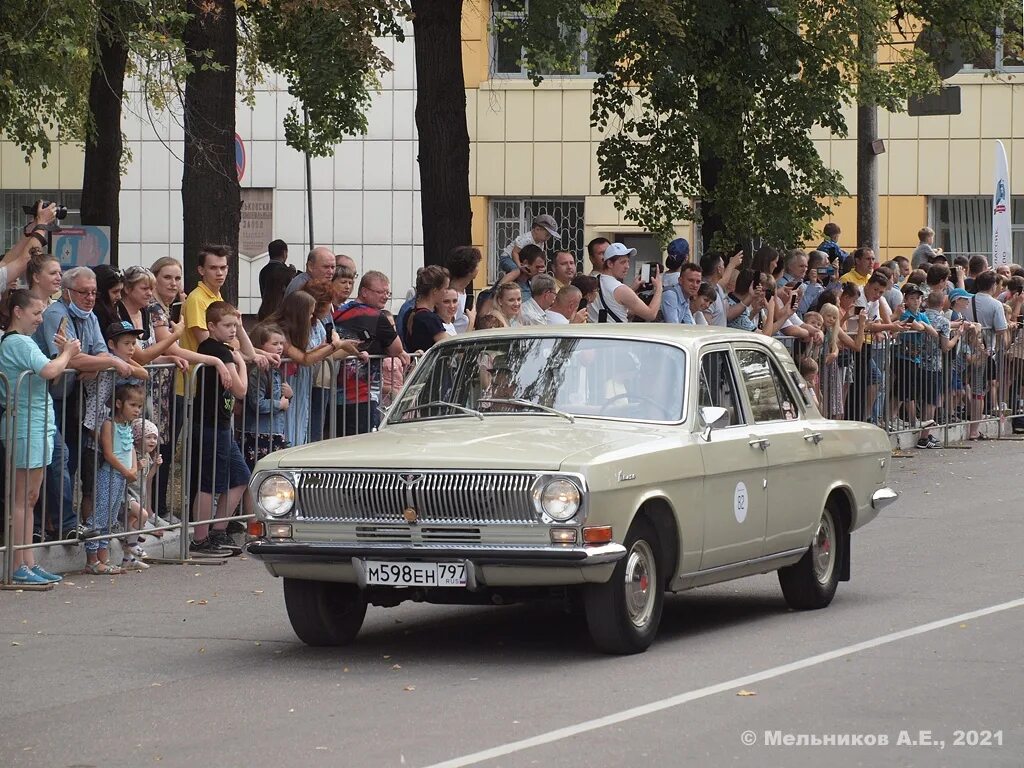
x: 61, y: 212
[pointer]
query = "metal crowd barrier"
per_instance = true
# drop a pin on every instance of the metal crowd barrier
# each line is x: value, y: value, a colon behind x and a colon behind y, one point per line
x: 350, y: 404
x: 907, y: 384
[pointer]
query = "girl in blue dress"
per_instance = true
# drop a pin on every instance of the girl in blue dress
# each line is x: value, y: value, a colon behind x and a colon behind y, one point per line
x: 28, y: 423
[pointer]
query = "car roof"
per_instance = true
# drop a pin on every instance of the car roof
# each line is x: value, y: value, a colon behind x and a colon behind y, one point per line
x: 687, y: 336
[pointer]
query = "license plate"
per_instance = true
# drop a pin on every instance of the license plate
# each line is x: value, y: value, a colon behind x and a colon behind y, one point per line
x: 391, y: 574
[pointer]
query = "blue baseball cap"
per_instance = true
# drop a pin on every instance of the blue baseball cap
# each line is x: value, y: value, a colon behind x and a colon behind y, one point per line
x: 958, y: 293
x: 679, y: 248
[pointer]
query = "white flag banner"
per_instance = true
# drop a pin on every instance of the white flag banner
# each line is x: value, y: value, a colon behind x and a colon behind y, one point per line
x: 1002, y: 238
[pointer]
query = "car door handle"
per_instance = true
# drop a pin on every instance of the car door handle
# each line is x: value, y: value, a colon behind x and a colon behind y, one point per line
x: 814, y: 437
x: 759, y: 443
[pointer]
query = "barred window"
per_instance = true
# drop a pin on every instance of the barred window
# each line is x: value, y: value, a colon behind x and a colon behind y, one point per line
x: 510, y: 218
x: 13, y: 219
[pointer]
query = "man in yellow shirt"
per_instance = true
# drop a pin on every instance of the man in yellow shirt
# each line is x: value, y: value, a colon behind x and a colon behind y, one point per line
x: 863, y: 266
x: 213, y: 272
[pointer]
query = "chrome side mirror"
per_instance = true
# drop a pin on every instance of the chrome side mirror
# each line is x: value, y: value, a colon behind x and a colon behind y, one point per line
x: 712, y: 416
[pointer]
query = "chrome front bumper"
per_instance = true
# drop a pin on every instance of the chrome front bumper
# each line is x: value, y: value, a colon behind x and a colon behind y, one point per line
x: 480, y: 554
x: 883, y: 497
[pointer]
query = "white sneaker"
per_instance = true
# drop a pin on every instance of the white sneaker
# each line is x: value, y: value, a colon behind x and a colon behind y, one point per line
x: 139, y: 552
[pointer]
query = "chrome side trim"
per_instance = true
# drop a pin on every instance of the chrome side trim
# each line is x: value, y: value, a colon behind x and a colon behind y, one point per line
x: 883, y: 497
x: 767, y: 559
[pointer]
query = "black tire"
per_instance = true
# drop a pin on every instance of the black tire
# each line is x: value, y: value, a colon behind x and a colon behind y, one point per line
x: 324, y: 613
x: 807, y: 584
x: 620, y: 625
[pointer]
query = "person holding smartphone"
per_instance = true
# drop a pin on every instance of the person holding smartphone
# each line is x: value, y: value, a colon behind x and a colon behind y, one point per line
x: 616, y: 301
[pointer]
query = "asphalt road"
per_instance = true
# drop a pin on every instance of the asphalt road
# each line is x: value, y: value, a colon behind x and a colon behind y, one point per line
x: 197, y: 666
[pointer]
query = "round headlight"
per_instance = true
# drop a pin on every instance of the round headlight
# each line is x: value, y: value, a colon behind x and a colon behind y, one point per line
x: 277, y: 495
x: 560, y: 499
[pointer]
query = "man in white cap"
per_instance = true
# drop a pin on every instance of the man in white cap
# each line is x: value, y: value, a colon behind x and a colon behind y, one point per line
x: 617, y: 302
x: 543, y: 229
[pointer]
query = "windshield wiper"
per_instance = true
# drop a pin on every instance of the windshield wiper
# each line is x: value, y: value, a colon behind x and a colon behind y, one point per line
x: 442, y: 403
x: 528, y: 404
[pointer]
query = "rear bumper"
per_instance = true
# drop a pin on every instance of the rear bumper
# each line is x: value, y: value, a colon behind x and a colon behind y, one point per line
x: 882, y: 498
x: 479, y: 554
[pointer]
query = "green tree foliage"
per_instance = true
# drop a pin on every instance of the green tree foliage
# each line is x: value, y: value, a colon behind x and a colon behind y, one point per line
x: 326, y: 52
x: 714, y: 101
x: 45, y: 66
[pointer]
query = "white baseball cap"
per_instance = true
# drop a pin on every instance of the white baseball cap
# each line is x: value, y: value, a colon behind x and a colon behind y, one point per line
x: 615, y: 250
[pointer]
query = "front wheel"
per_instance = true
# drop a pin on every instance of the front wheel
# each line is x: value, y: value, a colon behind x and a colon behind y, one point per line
x: 324, y: 613
x: 811, y: 582
x: 623, y: 614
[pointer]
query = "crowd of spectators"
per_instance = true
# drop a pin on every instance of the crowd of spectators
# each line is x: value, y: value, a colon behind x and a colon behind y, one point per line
x: 128, y: 354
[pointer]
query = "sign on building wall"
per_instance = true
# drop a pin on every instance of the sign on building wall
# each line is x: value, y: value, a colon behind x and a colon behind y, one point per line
x: 83, y: 246
x: 256, y: 229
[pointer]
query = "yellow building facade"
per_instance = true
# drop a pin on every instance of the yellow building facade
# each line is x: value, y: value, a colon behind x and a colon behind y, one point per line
x: 537, y: 143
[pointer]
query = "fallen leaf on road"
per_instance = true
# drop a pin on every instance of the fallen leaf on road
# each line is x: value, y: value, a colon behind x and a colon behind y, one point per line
x: 189, y: 602
x: 396, y: 666
x: 203, y: 602
x: 387, y: 657
x: 345, y: 669
x: 746, y: 693
x: 156, y: 685
x: 258, y: 643
x: 15, y: 643
x: 257, y: 591
x: 291, y: 710
x: 963, y: 626
x: 409, y: 688
x: 202, y: 650
x: 320, y: 748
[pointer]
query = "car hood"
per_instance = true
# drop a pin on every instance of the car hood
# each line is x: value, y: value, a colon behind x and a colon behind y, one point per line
x: 498, y: 442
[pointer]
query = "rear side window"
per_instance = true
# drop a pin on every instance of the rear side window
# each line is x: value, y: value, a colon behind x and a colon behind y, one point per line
x: 769, y: 398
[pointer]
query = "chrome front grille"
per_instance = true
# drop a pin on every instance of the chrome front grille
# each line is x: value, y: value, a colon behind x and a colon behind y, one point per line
x: 464, y: 498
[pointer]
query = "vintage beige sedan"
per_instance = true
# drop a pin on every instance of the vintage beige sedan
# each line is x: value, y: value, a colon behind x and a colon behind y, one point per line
x: 609, y: 463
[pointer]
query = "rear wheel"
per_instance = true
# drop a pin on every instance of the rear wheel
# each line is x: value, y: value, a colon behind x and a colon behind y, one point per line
x: 623, y: 614
x: 811, y: 582
x: 324, y: 613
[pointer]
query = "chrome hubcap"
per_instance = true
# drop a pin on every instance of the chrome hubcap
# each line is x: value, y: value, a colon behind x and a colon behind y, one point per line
x: 823, y: 549
x: 641, y: 582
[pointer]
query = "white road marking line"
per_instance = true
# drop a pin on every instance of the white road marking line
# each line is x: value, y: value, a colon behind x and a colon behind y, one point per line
x: 711, y: 690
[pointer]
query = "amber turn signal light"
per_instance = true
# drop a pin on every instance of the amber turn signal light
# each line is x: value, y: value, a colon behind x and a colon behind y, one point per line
x: 255, y: 529
x: 597, y: 534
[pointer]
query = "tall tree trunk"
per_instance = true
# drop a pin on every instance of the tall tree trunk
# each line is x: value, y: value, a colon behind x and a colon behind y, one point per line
x: 101, y: 180
x: 210, y: 195
x: 711, y: 166
x: 441, y: 125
